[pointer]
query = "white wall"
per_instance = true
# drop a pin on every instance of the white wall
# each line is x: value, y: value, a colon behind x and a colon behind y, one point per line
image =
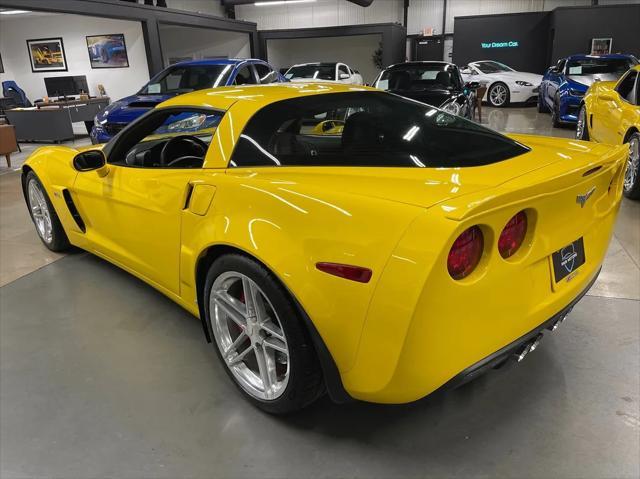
x: 197, y: 43
x: 210, y: 7
x: 118, y: 82
x: 355, y: 51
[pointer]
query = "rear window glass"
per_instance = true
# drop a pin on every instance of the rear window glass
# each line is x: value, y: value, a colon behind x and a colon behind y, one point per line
x: 366, y: 129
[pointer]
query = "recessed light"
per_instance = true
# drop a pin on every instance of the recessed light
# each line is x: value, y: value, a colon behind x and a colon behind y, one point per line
x: 13, y: 12
x: 281, y: 2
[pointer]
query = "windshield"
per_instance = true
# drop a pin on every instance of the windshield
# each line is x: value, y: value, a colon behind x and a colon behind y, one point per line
x: 416, y: 77
x: 320, y: 72
x: 594, y: 66
x: 492, y: 67
x: 366, y: 129
x: 187, y: 78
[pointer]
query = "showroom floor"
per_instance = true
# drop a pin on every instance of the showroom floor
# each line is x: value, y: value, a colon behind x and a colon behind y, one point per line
x: 101, y: 376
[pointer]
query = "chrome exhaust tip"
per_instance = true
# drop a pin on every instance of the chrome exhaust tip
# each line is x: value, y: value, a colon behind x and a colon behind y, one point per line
x: 529, y: 347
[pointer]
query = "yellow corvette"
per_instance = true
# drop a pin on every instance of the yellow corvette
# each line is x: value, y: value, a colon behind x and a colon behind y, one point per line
x: 409, y: 251
x: 610, y: 113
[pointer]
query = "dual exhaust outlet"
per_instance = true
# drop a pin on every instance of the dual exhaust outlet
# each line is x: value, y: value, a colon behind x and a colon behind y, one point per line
x: 532, y: 344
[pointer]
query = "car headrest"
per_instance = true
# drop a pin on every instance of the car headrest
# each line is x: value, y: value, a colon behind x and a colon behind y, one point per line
x: 399, y: 80
x: 444, y: 78
x: 361, y: 131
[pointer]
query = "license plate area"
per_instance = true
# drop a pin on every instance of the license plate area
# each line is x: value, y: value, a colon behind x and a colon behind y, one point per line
x: 568, y: 259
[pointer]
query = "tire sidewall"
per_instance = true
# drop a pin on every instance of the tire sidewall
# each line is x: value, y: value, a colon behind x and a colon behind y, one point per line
x: 634, y: 192
x: 585, y: 128
x: 59, y: 239
x: 298, y: 342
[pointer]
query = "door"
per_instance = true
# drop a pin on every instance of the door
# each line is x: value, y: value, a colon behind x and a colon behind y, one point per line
x: 611, y: 105
x: 554, y: 78
x: 133, y: 213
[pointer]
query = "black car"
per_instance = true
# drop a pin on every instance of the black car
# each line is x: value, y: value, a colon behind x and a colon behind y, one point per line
x: 437, y: 84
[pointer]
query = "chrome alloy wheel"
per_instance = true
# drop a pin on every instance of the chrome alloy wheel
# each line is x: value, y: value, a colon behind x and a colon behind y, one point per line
x: 40, y: 211
x: 249, y: 335
x: 630, y: 176
x: 498, y: 95
x: 581, y: 125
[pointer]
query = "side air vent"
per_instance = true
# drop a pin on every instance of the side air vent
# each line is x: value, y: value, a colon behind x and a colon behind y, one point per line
x: 591, y: 171
x: 73, y: 210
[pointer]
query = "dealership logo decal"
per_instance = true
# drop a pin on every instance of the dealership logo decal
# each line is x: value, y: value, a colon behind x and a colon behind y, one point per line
x: 510, y: 44
x: 582, y: 199
x: 569, y: 256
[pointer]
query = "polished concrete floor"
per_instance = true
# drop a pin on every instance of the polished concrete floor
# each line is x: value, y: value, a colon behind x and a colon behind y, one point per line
x: 101, y: 376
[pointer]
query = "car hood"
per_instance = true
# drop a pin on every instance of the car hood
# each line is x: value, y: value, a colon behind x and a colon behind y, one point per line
x: 434, y: 97
x: 129, y: 108
x: 422, y: 187
x: 588, y: 80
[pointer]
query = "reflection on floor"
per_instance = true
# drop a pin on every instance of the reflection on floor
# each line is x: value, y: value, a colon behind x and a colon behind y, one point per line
x: 100, y: 376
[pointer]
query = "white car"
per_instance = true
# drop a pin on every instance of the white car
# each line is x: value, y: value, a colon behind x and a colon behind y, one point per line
x: 504, y: 84
x: 329, y: 72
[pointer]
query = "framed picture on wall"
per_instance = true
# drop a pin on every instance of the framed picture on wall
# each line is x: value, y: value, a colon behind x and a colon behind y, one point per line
x: 601, y: 46
x: 107, y: 51
x: 47, y: 55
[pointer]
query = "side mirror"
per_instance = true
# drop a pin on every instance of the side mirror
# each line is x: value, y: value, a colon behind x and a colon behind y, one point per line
x: 344, y: 76
x: 91, y: 160
x: 472, y: 85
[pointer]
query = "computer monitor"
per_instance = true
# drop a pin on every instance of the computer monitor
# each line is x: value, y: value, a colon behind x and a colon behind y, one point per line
x: 66, y: 85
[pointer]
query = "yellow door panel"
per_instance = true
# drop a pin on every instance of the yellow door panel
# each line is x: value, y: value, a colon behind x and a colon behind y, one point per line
x: 133, y: 216
x: 200, y: 199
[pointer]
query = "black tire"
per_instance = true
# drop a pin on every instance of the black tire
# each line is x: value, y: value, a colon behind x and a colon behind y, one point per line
x: 542, y: 107
x: 507, y: 93
x: 305, y: 384
x: 555, y: 114
x: 59, y: 240
x: 633, y: 190
x: 584, y: 134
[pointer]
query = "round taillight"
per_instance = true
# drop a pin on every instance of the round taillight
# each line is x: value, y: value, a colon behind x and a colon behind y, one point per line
x: 465, y: 253
x: 513, y: 235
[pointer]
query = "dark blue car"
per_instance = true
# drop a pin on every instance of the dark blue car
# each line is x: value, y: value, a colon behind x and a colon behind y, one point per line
x: 564, y: 84
x: 180, y: 78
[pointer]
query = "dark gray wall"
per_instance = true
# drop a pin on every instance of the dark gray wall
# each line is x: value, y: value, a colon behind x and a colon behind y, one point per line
x: 530, y: 30
x: 574, y: 27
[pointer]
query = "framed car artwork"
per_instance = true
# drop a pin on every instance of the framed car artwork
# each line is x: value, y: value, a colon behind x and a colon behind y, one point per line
x: 107, y: 51
x: 47, y: 55
x: 601, y: 46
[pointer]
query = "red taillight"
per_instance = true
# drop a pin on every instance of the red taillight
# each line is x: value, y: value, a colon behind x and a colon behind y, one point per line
x: 465, y: 253
x: 512, y: 235
x: 354, y: 273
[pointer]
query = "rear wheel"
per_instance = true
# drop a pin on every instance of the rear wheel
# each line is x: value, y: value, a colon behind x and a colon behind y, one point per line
x: 260, y: 337
x: 498, y: 95
x: 582, y: 128
x: 542, y: 107
x: 631, y: 187
x: 44, y: 217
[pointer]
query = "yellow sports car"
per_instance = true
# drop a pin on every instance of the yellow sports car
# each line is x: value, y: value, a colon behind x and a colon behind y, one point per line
x: 610, y: 113
x: 410, y: 251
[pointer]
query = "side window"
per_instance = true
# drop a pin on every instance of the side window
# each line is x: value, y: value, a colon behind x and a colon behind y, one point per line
x: 342, y: 69
x: 265, y: 74
x: 245, y: 76
x: 171, y: 138
x: 560, y: 65
x: 626, y: 87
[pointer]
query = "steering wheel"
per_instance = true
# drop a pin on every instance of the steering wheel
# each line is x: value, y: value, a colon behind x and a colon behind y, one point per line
x: 182, y: 147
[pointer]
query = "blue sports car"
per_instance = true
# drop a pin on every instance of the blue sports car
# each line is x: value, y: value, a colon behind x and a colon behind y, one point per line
x: 177, y: 79
x: 564, y: 84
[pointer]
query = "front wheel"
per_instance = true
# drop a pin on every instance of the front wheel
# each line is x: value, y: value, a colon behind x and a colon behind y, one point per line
x: 260, y: 336
x: 44, y: 216
x: 582, y: 127
x: 555, y: 114
x: 631, y: 187
x: 498, y: 95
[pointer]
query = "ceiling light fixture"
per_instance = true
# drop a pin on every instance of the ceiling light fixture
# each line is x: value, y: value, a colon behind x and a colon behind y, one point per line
x: 13, y: 12
x: 281, y: 2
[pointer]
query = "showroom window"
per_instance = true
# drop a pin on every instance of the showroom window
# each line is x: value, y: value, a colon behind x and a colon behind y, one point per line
x: 366, y: 129
x: 265, y: 74
x: 167, y: 138
x: 627, y: 87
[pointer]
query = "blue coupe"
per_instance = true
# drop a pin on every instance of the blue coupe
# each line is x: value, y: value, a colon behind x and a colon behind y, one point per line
x: 177, y: 79
x: 564, y: 84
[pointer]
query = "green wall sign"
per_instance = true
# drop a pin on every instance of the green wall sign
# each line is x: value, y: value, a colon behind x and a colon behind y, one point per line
x: 510, y: 44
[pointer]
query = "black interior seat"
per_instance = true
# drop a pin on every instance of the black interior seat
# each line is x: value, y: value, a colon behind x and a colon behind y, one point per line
x: 444, y: 79
x: 399, y: 80
x: 361, y: 132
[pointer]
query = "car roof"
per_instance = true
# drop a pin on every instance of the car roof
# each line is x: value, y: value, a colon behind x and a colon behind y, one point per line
x: 217, y: 61
x: 222, y: 98
x: 613, y: 56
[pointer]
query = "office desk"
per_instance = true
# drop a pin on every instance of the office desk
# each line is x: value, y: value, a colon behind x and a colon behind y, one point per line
x: 52, y: 122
